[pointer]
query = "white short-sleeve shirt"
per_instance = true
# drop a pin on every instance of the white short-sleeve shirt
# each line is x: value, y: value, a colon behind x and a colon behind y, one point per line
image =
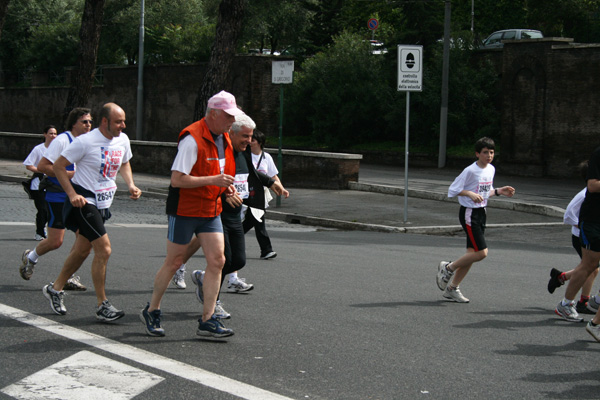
x: 98, y: 161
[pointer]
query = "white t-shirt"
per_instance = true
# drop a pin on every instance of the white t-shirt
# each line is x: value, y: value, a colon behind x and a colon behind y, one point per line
x: 267, y: 166
x: 475, y: 179
x: 571, y: 216
x: 34, y: 159
x: 187, y: 155
x: 98, y: 161
x: 57, y: 146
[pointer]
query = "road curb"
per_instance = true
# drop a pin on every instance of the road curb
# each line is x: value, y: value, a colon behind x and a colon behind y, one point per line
x: 505, y: 204
x: 292, y: 218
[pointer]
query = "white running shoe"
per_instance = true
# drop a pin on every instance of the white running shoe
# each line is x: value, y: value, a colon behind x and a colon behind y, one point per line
x: 220, y: 311
x: 179, y: 279
x: 197, y: 278
x: 568, y: 312
x: 239, y: 285
x: 455, y: 295
x: 56, y: 299
x: 443, y: 275
x: 74, y: 284
x: 26, y: 267
x: 268, y: 256
x: 593, y: 330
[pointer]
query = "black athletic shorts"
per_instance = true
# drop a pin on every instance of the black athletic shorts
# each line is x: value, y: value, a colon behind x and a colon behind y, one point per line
x: 590, y: 235
x: 473, y: 223
x: 88, y: 220
x: 56, y: 215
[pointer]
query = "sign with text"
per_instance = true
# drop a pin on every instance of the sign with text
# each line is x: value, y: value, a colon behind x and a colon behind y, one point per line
x: 282, y: 71
x: 410, y: 68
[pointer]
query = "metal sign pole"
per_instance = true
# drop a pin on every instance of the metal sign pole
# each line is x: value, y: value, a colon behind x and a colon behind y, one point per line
x: 406, y: 158
x: 282, y: 73
x: 410, y: 79
x: 279, y: 155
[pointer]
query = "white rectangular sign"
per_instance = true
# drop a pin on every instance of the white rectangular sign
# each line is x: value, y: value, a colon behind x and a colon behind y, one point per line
x: 410, y: 68
x: 282, y: 71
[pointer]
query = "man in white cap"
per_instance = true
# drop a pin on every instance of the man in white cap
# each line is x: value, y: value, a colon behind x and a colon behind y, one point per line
x: 203, y: 170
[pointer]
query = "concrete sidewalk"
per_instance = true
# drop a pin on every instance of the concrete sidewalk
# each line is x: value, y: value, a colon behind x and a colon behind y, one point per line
x: 376, y: 201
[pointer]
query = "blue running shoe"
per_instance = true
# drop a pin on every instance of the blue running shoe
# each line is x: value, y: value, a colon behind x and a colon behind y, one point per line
x: 152, y: 321
x: 213, y: 327
x: 197, y: 277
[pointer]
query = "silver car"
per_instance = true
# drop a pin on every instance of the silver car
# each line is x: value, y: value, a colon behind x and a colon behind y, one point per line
x: 496, y: 38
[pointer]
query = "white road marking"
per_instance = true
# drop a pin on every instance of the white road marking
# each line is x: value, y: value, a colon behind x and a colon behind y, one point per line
x: 143, y: 357
x: 84, y: 375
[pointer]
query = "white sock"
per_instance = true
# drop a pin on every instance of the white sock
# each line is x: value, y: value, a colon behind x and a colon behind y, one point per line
x: 567, y: 302
x: 182, y: 268
x: 232, y: 276
x: 33, y: 256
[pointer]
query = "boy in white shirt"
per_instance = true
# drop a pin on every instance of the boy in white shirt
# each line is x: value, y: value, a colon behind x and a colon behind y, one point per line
x: 473, y: 187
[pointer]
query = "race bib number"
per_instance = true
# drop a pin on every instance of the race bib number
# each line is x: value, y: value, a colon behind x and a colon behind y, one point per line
x: 241, y: 185
x: 105, y: 193
x: 484, y: 189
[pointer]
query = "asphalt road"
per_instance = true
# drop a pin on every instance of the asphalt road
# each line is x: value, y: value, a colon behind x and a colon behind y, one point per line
x: 337, y: 315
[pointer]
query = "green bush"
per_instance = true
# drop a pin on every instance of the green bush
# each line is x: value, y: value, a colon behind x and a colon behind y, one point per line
x: 346, y: 97
x: 339, y: 97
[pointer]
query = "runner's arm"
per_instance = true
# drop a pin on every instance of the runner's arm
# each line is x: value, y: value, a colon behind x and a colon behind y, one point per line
x: 127, y: 175
x: 60, y: 172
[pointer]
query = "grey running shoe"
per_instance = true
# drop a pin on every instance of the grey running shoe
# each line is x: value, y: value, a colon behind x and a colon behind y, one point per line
x: 568, y: 312
x: 593, y: 330
x: 455, y: 295
x: 152, y: 321
x: 179, y: 279
x: 592, y: 304
x: 220, y: 311
x: 213, y: 327
x: 444, y: 275
x: 74, y: 284
x: 108, y: 312
x: 39, y: 237
x: 26, y: 267
x: 581, y: 308
x: 239, y: 285
x: 197, y: 277
x: 56, y: 299
x: 268, y: 256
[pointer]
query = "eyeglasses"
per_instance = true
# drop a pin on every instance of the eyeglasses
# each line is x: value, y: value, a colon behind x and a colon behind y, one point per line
x: 86, y: 121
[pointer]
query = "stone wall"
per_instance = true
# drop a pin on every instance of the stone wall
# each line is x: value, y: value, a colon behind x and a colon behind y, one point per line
x: 301, y: 169
x: 550, y: 118
x: 170, y: 93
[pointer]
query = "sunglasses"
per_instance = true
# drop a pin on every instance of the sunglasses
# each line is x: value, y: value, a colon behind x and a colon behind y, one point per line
x: 86, y: 121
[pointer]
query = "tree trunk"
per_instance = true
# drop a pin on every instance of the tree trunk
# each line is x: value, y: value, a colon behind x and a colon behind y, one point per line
x: 3, y: 8
x: 82, y: 78
x: 217, y: 78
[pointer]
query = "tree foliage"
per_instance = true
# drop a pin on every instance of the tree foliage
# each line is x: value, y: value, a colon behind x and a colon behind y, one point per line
x: 87, y: 52
x: 340, y: 97
x: 3, y: 8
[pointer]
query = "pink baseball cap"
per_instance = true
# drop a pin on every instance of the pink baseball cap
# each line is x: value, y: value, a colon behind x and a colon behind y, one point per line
x: 226, y: 102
